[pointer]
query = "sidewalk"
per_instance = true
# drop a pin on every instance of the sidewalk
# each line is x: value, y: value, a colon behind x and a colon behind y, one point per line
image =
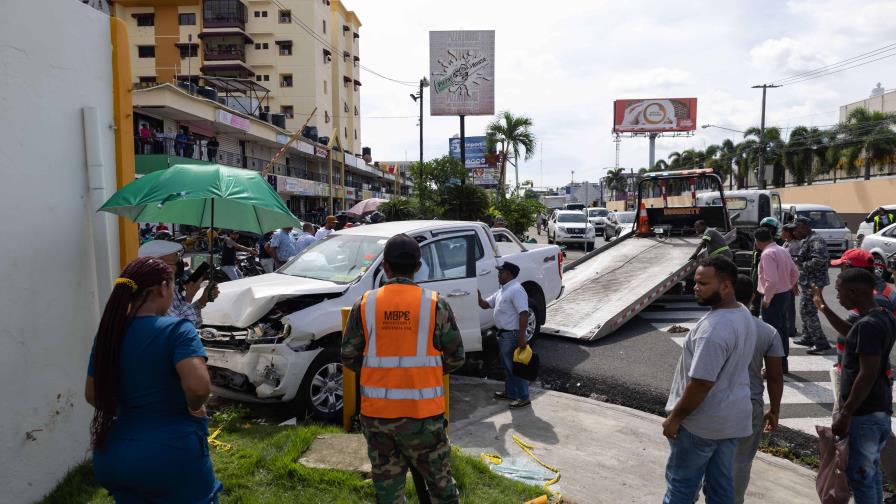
x: 605, y: 453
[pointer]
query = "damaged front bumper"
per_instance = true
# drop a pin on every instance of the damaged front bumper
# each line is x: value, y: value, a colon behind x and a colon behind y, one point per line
x: 263, y: 373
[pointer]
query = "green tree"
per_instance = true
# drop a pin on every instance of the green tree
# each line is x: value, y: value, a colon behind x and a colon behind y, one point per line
x: 773, y: 147
x: 726, y: 157
x: 868, y: 139
x: 660, y: 165
x: 802, y: 155
x: 397, y: 209
x: 511, y: 137
x: 431, y: 181
x: 616, y: 181
x: 518, y: 212
x: 464, y: 202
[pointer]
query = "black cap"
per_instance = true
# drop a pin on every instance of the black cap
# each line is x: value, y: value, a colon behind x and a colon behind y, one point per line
x: 790, y: 226
x: 513, y: 269
x: 802, y: 220
x: 401, y: 249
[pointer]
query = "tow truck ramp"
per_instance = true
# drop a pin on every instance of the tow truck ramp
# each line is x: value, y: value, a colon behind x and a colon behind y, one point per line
x: 606, y: 291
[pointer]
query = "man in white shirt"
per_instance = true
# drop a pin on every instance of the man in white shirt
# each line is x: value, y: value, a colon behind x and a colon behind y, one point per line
x: 327, y: 229
x: 307, y: 237
x: 511, y: 304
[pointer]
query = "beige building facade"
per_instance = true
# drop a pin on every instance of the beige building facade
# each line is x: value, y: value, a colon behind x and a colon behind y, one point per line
x: 879, y: 101
x: 302, y: 54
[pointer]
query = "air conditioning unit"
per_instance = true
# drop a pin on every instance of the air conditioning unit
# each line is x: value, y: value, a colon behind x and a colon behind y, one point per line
x: 310, y: 132
x: 279, y: 120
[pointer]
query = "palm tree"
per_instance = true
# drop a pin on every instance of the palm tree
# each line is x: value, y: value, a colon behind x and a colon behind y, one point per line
x: 798, y: 156
x: 660, y: 165
x: 727, y: 155
x: 773, y: 147
x: 868, y: 139
x: 674, y: 160
x: 511, y: 136
x: 745, y: 152
x: 616, y: 181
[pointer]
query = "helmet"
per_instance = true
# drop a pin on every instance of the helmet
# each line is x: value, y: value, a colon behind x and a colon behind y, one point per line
x: 376, y: 217
x: 771, y: 222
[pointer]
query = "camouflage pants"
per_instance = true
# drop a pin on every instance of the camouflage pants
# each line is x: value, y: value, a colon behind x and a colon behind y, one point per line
x: 812, y: 330
x: 392, y: 444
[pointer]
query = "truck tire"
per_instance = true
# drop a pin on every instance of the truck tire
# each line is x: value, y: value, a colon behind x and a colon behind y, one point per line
x: 536, y: 311
x: 320, y: 395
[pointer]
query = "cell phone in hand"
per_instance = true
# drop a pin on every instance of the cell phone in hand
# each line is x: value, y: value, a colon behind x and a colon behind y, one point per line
x: 200, y: 273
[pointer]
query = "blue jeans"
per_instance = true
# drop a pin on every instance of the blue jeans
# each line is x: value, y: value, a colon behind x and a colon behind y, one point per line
x: 776, y: 316
x: 515, y: 388
x: 867, y: 436
x: 694, y: 459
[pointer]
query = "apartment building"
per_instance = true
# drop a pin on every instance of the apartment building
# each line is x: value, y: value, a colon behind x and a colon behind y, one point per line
x: 302, y: 55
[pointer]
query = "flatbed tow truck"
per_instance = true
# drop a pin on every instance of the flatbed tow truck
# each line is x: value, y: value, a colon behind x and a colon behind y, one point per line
x: 608, y: 287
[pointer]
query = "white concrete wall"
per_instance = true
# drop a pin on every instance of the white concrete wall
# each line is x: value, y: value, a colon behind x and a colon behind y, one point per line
x: 56, y: 60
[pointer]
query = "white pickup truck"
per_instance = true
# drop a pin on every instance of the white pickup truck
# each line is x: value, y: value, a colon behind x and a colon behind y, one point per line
x: 275, y: 337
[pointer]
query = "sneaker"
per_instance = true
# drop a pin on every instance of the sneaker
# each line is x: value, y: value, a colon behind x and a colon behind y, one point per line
x: 817, y: 350
x: 520, y: 403
x: 804, y: 342
x: 501, y: 396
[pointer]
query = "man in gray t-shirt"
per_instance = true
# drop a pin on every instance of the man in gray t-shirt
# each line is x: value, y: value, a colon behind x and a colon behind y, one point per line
x: 770, y: 351
x: 709, y: 406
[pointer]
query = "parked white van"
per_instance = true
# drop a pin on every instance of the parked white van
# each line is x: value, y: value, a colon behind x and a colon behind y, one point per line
x: 826, y: 222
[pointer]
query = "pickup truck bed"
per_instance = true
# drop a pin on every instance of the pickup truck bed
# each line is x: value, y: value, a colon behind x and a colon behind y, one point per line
x: 609, y: 289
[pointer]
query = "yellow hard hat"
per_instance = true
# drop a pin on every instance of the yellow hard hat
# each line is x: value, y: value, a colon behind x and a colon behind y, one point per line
x: 522, y: 356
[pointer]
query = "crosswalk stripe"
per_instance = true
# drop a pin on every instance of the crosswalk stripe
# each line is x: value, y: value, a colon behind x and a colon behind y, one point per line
x: 811, y: 363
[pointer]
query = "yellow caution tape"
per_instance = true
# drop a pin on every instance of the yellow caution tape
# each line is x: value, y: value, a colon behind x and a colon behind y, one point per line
x: 528, y: 449
x: 218, y: 444
x: 494, y: 458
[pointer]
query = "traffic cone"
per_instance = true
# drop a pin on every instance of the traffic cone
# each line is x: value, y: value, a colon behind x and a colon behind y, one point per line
x: 643, y: 222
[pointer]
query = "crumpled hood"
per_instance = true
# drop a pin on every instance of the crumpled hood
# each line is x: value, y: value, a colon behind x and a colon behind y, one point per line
x: 242, y: 302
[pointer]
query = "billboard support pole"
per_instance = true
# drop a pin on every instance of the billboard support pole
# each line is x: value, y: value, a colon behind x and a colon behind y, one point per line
x: 463, y: 151
x: 652, y: 150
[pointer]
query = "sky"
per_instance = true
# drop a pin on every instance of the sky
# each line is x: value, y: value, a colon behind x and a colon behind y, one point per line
x: 563, y: 64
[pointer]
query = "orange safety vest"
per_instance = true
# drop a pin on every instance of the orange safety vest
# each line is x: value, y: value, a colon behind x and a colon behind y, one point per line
x: 401, y: 376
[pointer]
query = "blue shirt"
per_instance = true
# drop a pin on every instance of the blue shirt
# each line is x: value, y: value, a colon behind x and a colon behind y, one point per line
x: 304, y: 241
x: 152, y: 404
x: 284, y: 244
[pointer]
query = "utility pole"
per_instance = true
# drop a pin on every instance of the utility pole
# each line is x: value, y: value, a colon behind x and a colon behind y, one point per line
x: 761, y: 177
x: 424, y: 82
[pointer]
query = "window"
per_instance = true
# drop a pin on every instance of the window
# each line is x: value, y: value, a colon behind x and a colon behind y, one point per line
x: 148, y: 78
x: 345, y: 107
x: 189, y: 51
x: 285, y: 17
x: 287, y: 110
x: 266, y: 108
x: 356, y: 111
x: 345, y: 132
x: 326, y: 117
x: 285, y: 80
x: 325, y: 26
x: 327, y: 57
x: 325, y: 86
x: 261, y: 77
x: 146, y: 51
x: 261, y: 14
x: 446, y: 259
x: 285, y: 47
x: 186, y: 19
x: 267, y: 77
x: 146, y: 19
x: 356, y: 134
x: 339, y: 259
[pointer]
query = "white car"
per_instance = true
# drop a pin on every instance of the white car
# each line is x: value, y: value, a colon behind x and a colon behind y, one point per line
x: 882, y: 245
x: 866, y: 228
x: 275, y: 337
x: 570, y: 226
x: 826, y: 222
x: 597, y: 217
x: 619, y: 224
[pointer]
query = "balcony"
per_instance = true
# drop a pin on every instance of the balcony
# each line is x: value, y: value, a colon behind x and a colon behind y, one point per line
x: 225, y: 54
x: 224, y: 14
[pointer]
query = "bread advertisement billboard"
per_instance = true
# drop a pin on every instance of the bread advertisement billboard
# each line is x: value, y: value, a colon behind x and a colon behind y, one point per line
x: 654, y: 115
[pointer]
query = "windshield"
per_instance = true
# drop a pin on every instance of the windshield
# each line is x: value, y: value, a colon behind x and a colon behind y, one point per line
x: 571, y: 217
x: 338, y: 259
x: 597, y: 212
x: 625, y: 217
x: 823, y: 219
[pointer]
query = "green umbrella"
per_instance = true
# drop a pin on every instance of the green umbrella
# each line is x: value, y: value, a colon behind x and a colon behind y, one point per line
x: 206, y: 195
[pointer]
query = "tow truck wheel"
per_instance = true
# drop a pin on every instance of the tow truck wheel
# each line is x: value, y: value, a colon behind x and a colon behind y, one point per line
x: 320, y: 395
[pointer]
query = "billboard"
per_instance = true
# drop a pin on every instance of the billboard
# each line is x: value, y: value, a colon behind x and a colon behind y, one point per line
x: 462, y: 72
x: 654, y: 115
x: 482, y: 166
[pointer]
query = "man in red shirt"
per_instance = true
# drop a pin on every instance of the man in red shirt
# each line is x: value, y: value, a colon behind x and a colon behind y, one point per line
x: 776, y: 280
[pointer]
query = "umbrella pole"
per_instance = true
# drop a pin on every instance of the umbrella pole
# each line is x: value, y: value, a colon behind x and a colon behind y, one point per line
x: 212, y: 238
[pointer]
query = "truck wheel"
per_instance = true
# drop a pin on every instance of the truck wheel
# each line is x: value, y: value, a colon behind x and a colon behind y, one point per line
x: 320, y: 395
x: 533, y: 327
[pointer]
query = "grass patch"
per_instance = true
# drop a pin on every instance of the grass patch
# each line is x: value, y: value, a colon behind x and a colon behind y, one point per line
x: 262, y: 467
x: 783, y: 451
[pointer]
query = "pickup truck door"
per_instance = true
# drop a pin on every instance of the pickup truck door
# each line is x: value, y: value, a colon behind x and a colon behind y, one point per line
x: 449, y: 267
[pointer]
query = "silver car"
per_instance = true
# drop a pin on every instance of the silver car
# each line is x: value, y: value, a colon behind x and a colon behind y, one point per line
x: 882, y: 245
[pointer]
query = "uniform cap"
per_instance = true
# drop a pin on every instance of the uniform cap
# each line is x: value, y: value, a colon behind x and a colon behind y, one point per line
x: 855, y: 258
x: 513, y: 269
x: 802, y: 220
x: 790, y: 226
x: 401, y: 249
x: 159, y: 248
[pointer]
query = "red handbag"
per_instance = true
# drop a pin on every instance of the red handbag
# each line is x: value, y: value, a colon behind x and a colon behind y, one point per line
x: 831, y: 483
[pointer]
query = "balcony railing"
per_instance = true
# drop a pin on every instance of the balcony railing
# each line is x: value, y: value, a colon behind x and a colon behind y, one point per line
x: 224, y: 14
x: 225, y: 53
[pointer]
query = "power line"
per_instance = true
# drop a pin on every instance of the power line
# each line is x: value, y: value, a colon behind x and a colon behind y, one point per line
x: 310, y: 31
x: 853, y: 62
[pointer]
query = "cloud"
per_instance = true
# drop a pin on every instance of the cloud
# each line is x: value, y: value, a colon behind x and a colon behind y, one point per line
x: 787, y: 56
x: 649, y: 80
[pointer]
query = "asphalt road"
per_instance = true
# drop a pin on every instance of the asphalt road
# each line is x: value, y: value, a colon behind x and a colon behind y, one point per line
x: 573, y: 250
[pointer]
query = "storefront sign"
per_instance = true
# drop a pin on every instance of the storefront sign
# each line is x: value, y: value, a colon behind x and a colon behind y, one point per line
x: 321, y: 152
x: 350, y: 193
x: 233, y: 120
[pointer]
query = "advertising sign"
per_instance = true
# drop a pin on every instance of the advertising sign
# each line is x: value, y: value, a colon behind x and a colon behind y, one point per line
x: 233, y: 120
x: 483, y: 166
x: 462, y: 72
x: 654, y: 115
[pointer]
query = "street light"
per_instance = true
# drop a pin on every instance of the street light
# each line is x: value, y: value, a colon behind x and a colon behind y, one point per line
x: 721, y: 127
x: 424, y: 83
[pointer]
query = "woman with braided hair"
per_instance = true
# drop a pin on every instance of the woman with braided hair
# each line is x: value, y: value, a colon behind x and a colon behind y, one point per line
x: 148, y: 382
